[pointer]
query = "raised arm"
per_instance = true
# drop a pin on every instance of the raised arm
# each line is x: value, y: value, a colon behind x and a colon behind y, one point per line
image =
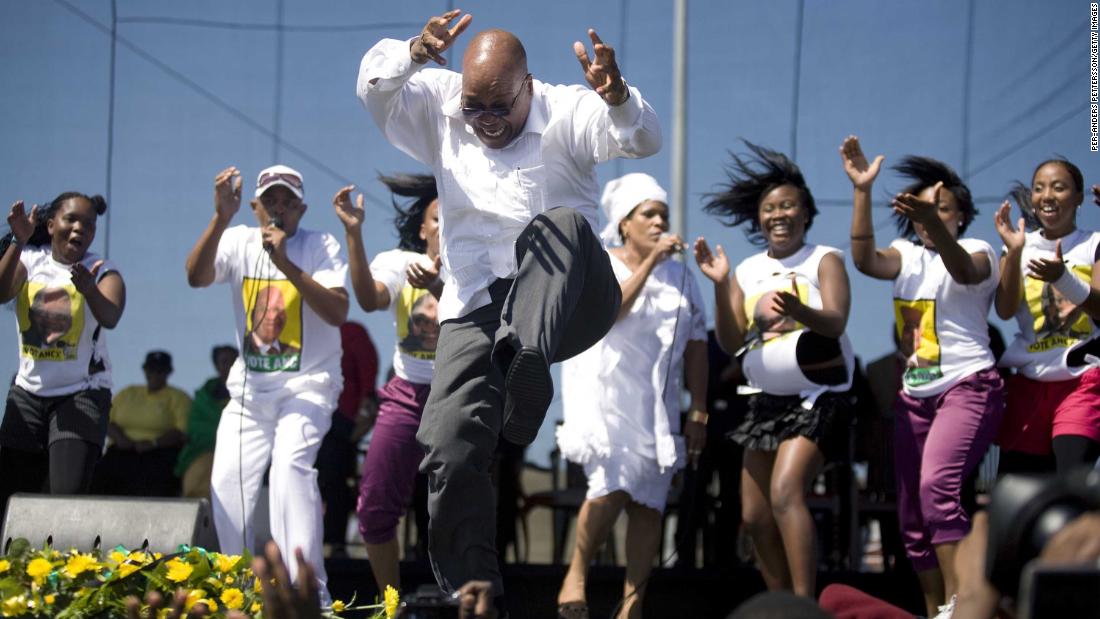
x: 1010, y: 289
x: 404, y: 108
x: 633, y: 285
x: 965, y: 268
x: 12, y: 272
x: 880, y: 263
x: 370, y: 294
x: 729, y: 300
x: 227, y: 201
x: 624, y: 125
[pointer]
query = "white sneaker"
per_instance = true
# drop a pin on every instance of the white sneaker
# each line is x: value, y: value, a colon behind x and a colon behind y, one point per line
x: 946, y: 610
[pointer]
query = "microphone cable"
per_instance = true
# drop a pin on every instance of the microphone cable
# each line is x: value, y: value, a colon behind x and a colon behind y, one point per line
x: 265, y: 275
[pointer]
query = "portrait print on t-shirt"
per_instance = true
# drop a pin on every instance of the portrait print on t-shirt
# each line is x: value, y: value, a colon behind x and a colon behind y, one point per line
x: 1058, y: 323
x: 765, y: 324
x: 273, y: 325
x: 915, y: 322
x: 417, y: 323
x: 51, y: 321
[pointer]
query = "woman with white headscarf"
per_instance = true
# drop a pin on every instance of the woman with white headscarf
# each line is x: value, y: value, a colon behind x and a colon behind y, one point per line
x: 621, y: 398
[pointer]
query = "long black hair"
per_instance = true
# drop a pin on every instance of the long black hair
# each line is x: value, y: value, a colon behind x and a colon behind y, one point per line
x: 924, y: 172
x: 420, y: 187
x: 750, y: 179
x: 41, y: 235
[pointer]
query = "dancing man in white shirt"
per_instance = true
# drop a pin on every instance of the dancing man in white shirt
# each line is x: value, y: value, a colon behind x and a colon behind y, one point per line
x: 526, y: 281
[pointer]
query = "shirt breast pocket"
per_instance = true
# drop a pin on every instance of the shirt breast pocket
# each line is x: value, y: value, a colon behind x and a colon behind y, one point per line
x: 528, y: 192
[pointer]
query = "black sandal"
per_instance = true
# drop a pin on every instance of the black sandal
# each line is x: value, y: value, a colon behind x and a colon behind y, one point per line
x: 573, y: 610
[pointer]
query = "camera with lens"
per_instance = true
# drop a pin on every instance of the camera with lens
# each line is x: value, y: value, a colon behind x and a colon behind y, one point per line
x: 428, y: 602
x: 1025, y: 513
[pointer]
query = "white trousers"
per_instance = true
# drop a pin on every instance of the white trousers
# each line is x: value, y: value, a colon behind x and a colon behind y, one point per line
x: 285, y: 430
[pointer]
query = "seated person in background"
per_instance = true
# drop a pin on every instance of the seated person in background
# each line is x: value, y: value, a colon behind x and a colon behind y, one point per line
x: 147, y: 430
x: 196, y: 459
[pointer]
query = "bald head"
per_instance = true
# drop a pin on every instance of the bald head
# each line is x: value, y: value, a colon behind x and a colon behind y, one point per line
x: 495, y: 90
x: 496, y: 51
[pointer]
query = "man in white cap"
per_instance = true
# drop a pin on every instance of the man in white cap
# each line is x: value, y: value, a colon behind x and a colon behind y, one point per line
x: 526, y: 282
x: 281, y: 399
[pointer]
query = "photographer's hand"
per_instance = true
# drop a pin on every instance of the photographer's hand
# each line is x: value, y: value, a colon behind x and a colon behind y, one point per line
x: 1076, y: 544
x: 475, y: 600
x: 977, y: 599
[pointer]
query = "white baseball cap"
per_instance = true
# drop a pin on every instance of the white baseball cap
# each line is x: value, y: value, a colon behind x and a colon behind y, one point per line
x: 280, y: 175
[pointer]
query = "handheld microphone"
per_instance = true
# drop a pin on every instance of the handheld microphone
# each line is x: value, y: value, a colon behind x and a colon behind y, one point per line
x: 680, y: 247
x: 278, y: 223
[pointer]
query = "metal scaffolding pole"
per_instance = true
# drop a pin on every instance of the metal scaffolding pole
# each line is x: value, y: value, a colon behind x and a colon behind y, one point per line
x: 679, y: 117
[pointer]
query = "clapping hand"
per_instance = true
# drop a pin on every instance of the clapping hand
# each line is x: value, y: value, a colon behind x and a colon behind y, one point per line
x: 861, y: 173
x: 1048, y: 269
x: 437, y: 37
x: 227, y: 193
x: 917, y: 210
x: 788, y: 303
x: 83, y: 278
x: 350, y: 215
x: 21, y: 224
x: 1013, y: 237
x: 715, y: 265
x: 602, y: 73
x: 422, y: 275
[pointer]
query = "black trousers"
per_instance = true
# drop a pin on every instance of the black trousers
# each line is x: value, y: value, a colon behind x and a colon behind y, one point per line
x: 563, y: 299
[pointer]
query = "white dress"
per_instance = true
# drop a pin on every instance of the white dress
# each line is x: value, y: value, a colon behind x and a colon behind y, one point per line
x: 626, y: 436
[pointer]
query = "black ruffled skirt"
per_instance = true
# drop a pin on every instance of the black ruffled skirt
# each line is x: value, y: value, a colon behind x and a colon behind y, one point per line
x: 772, y: 419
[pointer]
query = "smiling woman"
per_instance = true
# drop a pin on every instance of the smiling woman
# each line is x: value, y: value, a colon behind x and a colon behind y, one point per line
x: 56, y: 418
x: 784, y: 313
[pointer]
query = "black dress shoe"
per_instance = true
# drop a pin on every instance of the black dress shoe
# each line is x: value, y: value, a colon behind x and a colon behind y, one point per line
x: 528, y: 390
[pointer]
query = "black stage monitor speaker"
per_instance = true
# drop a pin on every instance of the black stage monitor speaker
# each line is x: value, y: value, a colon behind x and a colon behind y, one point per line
x: 83, y: 522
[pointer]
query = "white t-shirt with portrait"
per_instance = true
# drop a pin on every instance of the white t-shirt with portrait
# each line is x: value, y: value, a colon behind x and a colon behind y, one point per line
x: 770, y: 363
x: 415, y: 312
x: 62, y: 348
x: 283, y: 342
x: 941, y: 323
x: 1054, y: 336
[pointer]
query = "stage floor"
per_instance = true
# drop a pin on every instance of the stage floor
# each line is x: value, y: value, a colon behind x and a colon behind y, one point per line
x: 672, y: 593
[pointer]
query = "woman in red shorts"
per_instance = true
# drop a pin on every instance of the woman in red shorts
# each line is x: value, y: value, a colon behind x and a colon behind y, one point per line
x: 1049, y: 282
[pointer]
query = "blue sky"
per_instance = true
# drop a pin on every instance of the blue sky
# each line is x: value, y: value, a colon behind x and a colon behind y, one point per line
x: 203, y: 85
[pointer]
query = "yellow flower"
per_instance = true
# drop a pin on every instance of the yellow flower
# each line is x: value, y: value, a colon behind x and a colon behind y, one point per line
x: 391, y: 600
x: 225, y: 563
x: 4, y: 565
x: 126, y: 569
x: 232, y: 598
x: 157, y: 556
x: 256, y: 607
x: 38, y: 569
x: 13, y: 606
x: 138, y: 557
x: 338, y: 606
x: 50, y: 598
x: 257, y: 586
x: 80, y: 563
x: 230, y: 580
x: 117, y: 556
x: 179, y: 571
x: 194, y: 597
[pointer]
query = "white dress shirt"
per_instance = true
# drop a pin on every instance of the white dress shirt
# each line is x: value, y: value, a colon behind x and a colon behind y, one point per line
x: 487, y: 196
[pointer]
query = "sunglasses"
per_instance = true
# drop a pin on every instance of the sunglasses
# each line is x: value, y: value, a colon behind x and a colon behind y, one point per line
x: 271, y: 177
x: 473, y: 113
